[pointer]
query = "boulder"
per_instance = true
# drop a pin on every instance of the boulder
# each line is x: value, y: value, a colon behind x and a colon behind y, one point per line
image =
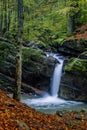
x: 73, y: 47
x: 35, y: 45
x: 74, y: 80
x: 37, y: 67
x: 46, y: 47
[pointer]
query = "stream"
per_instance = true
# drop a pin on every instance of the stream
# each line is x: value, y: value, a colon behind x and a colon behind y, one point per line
x: 50, y: 103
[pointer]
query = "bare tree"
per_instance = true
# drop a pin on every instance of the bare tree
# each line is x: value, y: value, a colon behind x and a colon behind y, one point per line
x: 17, y: 93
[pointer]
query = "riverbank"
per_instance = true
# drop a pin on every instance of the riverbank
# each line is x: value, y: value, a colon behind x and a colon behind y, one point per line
x: 15, y: 116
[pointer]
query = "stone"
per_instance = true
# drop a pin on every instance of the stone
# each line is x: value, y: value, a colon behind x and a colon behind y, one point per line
x: 37, y: 67
x: 74, y: 80
x: 73, y: 47
x: 37, y: 71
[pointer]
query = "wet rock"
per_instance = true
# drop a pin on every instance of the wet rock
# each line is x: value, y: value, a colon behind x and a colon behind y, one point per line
x: 74, y: 80
x: 78, y: 117
x: 59, y: 113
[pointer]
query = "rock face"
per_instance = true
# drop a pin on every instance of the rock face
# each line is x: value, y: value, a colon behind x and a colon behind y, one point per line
x: 37, y: 67
x: 74, y: 80
x: 73, y: 47
x: 75, y: 44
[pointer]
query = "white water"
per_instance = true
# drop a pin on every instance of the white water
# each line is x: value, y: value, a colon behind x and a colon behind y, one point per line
x: 50, y: 103
x: 56, y: 76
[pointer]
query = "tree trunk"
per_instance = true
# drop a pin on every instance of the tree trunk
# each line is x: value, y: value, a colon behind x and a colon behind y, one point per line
x: 72, y: 18
x: 9, y: 16
x: 71, y: 24
x: 1, y: 18
x: 5, y: 16
x: 17, y: 93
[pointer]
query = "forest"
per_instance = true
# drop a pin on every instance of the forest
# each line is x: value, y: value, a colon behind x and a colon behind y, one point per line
x: 57, y: 19
x: 43, y: 64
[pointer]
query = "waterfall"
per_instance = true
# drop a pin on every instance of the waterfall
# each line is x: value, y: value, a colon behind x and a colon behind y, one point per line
x: 50, y: 101
x: 56, y: 76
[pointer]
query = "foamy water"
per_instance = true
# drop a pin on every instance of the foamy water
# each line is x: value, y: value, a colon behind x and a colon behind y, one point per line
x: 51, y: 103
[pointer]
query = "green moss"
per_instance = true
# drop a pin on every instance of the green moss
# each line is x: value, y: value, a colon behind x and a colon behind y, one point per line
x: 30, y: 54
x: 6, y: 49
x: 77, y: 66
x: 76, y: 45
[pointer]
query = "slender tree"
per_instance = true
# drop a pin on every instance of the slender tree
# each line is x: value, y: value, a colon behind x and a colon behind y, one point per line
x: 5, y: 15
x: 1, y: 16
x: 73, y: 14
x: 17, y: 93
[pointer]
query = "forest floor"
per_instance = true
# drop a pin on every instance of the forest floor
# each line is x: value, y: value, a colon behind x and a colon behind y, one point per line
x: 18, y: 116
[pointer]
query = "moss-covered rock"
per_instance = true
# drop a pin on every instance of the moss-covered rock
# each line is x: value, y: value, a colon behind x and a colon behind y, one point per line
x: 37, y: 67
x: 30, y: 54
x: 77, y: 66
x: 6, y: 50
x: 83, y: 55
x: 74, y: 80
x: 73, y: 47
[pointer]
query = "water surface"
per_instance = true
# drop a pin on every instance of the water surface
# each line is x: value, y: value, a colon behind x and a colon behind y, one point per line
x: 52, y: 104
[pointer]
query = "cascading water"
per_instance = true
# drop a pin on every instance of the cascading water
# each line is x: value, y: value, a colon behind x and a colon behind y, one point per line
x: 56, y: 76
x: 50, y: 103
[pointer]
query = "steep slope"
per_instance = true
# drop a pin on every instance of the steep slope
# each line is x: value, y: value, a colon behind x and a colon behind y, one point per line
x: 17, y: 116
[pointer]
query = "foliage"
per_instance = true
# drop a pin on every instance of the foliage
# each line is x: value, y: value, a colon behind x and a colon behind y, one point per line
x: 40, y: 17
